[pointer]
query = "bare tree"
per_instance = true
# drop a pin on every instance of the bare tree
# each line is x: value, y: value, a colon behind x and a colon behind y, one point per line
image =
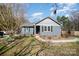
x: 75, y: 20
x: 11, y: 16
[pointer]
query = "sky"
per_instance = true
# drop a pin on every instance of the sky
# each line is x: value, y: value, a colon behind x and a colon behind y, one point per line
x: 38, y: 11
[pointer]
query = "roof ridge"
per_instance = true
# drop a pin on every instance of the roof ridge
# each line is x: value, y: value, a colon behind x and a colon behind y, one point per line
x: 46, y: 18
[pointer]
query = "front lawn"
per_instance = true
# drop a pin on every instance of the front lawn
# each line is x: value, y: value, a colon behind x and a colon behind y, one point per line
x: 28, y: 46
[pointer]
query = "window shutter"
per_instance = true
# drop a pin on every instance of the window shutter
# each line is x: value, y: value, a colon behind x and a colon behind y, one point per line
x: 51, y: 28
x: 42, y: 28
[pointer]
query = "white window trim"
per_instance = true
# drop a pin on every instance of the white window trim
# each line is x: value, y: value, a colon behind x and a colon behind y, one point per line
x: 46, y: 29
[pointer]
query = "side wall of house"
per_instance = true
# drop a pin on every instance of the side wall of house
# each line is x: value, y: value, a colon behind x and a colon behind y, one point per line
x: 27, y: 31
x: 56, y: 31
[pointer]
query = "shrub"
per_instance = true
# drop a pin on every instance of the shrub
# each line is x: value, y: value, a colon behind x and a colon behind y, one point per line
x: 8, y: 38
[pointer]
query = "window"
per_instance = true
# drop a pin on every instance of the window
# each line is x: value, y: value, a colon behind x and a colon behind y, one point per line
x: 24, y: 29
x: 29, y: 29
x: 48, y: 28
x: 45, y: 28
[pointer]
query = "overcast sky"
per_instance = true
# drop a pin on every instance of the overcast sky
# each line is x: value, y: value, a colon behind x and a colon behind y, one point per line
x: 38, y: 11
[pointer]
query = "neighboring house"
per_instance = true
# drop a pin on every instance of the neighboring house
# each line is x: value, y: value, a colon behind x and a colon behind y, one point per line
x: 47, y: 26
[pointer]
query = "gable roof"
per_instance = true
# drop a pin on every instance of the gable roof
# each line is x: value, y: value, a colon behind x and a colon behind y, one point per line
x: 27, y: 23
x: 47, y: 18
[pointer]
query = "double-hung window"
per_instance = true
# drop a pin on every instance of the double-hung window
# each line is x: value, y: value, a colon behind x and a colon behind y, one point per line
x: 48, y: 28
x: 45, y: 28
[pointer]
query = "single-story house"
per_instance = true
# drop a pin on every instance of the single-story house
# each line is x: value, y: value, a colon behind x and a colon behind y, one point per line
x: 46, y: 26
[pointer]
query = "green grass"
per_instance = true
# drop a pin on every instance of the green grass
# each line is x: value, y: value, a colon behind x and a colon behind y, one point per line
x: 1, y: 46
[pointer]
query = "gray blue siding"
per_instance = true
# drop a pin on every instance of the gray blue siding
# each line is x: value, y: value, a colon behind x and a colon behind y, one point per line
x: 27, y: 31
x: 55, y: 31
x: 56, y: 28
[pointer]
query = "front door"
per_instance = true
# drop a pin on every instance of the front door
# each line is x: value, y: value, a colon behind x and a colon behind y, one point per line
x: 37, y: 29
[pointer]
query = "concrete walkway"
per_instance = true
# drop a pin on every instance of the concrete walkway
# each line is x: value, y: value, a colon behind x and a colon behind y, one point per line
x: 56, y: 41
